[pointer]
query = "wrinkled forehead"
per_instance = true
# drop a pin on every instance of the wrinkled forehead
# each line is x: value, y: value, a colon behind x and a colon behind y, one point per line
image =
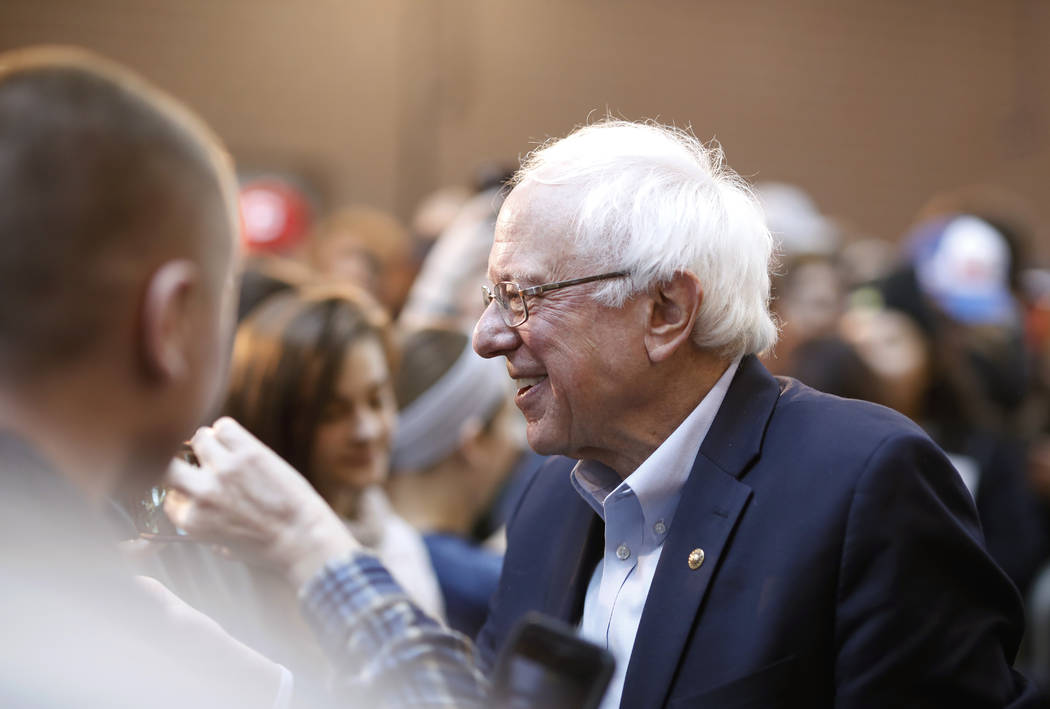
x: 533, y: 238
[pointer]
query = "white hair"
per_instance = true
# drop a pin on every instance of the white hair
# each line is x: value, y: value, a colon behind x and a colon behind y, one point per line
x: 655, y: 201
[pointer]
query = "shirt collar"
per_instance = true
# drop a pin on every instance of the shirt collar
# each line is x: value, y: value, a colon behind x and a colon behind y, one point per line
x: 658, y: 481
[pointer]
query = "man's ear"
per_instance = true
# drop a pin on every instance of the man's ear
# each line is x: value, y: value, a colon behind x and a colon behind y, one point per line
x: 167, y: 319
x: 673, y: 308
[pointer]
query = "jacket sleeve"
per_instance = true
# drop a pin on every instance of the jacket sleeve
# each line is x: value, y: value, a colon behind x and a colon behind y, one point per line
x: 386, y: 651
x: 924, y: 617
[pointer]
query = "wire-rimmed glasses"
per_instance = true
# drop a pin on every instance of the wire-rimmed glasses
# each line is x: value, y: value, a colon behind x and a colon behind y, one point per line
x: 510, y: 297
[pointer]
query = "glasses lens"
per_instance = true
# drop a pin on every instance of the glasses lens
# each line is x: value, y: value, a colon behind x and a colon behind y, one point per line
x: 511, y: 303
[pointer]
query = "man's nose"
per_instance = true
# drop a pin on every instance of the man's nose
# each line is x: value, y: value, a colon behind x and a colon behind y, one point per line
x: 492, y: 337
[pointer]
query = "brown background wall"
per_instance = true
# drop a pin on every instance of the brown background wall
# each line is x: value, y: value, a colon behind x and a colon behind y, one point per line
x: 871, y: 106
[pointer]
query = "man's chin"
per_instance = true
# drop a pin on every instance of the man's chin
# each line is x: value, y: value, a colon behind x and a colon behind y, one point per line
x: 542, y: 442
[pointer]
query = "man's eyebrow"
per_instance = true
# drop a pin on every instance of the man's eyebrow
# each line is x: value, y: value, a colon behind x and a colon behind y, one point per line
x: 519, y: 277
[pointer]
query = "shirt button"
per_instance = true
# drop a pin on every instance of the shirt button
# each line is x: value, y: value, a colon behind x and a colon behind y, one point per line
x: 623, y: 552
x: 660, y: 527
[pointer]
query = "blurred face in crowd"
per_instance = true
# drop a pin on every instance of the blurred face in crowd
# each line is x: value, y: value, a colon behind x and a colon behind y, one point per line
x: 572, y: 359
x: 892, y: 345
x: 351, y: 448
x: 345, y: 257
x: 370, y: 249
x: 813, y: 302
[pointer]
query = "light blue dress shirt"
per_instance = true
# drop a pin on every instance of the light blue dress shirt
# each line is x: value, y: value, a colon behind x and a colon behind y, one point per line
x: 638, y: 514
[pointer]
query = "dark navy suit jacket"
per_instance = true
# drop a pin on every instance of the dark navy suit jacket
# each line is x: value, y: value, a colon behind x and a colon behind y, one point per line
x: 843, y: 566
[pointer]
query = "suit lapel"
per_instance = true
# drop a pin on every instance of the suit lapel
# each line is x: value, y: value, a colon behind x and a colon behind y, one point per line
x: 711, y: 503
x: 573, y: 556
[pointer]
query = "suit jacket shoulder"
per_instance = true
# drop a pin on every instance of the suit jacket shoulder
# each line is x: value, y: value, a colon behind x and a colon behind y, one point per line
x: 843, y: 566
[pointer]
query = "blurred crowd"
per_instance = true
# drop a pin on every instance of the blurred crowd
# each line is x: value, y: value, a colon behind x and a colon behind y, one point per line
x: 948, y: 323
x: 352, y: 359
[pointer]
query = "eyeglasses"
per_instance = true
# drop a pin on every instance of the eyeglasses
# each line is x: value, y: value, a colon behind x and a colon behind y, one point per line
x: 510, y: 297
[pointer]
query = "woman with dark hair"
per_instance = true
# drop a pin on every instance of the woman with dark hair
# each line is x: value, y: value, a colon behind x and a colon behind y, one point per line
x: 310, y: 377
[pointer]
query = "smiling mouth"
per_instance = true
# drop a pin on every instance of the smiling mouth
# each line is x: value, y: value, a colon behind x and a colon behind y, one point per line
x: 526, y: 383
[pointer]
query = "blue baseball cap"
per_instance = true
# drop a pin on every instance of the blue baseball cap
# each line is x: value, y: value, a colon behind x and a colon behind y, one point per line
x: 963, y: 264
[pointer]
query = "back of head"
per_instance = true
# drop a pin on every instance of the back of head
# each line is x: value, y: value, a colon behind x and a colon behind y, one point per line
x: 653, y: 200
x: 103, y: 178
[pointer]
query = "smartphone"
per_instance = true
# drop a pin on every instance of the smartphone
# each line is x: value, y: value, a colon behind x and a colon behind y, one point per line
x: 546, y: 665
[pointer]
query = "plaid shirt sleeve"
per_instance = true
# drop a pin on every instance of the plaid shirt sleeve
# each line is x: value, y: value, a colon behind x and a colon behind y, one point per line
x: 384, y: 648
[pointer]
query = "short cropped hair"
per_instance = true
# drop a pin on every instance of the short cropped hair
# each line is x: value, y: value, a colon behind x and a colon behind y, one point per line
x: 100, y: 174
x: 655, y: 201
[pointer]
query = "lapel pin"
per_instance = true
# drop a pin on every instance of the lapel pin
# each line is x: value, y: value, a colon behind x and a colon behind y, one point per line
x: 696, y: 557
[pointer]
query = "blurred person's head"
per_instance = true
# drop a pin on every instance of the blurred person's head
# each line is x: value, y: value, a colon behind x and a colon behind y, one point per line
x: 311, y: 379
x: 263, y: 276
x: 797, y: 226
x: 956, y: 285
x: 895, y: 350
x: 458, y: 437
x: 866, y: 260
x: 434, y: 213
x: 368, y: 248
x: 442, y: 294
x: 1012, y: 217
x: 117, y: 243
x: 832, y: 365
x: 962, y: 265
x: 681, y: 256
x: 808, y: 300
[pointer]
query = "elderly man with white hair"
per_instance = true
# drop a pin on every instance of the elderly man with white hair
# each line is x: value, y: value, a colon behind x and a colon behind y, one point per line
x: 732, y: 538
